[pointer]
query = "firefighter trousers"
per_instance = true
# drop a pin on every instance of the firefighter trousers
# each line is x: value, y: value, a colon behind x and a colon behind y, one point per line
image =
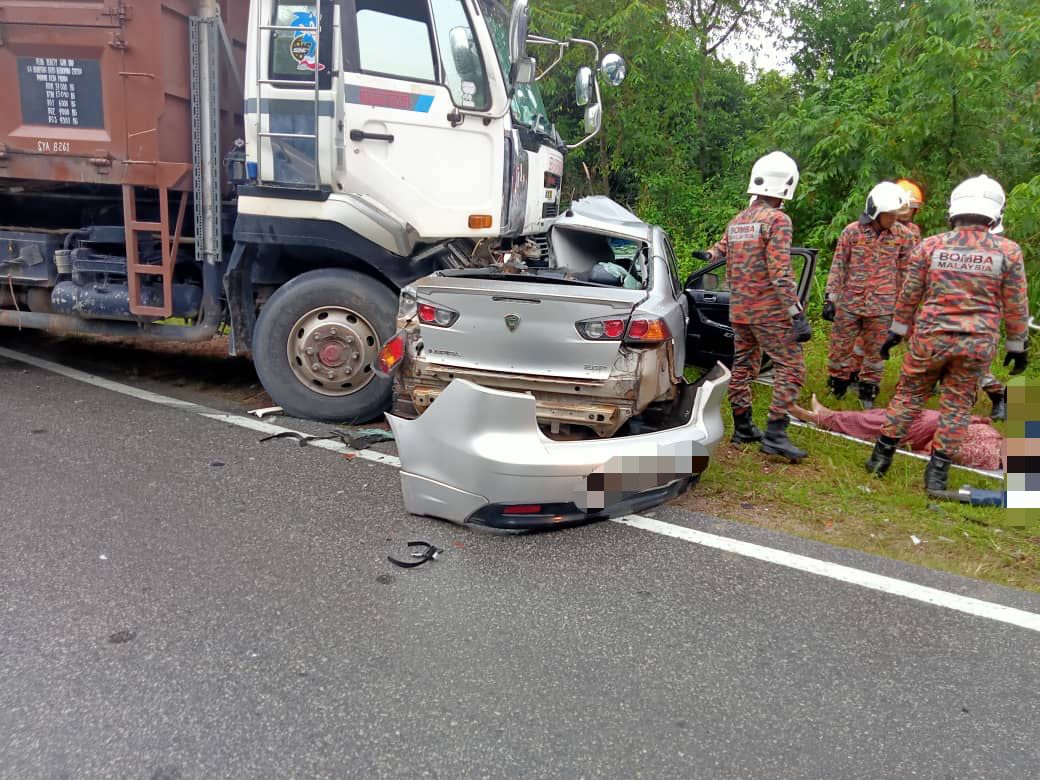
x: 856, y: 346
x: 959, y: 360
x: 776, y: 339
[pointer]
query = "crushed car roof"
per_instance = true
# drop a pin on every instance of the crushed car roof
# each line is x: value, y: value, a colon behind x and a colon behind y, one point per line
x: 600, y: 214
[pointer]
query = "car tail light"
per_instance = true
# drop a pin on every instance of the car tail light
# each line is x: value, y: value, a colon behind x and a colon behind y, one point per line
x: 523, y: 509
x: 611, y: 329
x: 390, y: 355
x: 437, y: 316
x: 648, y: 331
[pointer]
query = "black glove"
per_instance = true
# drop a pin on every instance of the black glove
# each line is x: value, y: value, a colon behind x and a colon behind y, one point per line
x: 829, y: 310
x: 1020, y: 359
x: 891, y: 341
x: 701, y: 255
x: 802, y: 330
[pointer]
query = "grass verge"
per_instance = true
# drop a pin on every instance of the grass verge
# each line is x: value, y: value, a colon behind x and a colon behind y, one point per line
x: 830, y: 497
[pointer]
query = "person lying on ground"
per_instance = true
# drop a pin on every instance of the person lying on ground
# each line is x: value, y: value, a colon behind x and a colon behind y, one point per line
x: 981, y: 448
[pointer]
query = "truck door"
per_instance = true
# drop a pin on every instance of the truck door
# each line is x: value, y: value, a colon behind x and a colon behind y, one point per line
x: 709, y: 334
x: 410, y: 67
x: 293, y: 103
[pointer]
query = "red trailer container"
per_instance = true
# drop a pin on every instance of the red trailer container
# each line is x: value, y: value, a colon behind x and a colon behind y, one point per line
x: 102, y: 95
x: 99, y: 91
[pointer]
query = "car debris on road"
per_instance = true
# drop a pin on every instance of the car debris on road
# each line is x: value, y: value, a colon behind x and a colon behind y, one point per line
x: 355, y: 440
x: 429, y: 553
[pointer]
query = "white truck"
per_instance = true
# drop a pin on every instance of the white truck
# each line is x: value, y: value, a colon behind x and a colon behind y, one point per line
x: 275, y: 167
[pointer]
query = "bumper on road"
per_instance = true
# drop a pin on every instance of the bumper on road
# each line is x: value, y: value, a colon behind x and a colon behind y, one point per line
x: 478, y: 456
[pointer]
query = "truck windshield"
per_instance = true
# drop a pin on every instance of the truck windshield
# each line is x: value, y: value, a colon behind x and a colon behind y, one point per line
x: 528, y: 108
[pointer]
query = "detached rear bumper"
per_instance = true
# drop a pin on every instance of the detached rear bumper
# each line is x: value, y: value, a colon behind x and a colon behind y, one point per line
x: 478, y: 456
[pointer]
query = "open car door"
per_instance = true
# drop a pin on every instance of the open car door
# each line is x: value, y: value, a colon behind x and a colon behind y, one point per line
x: 709, y: 334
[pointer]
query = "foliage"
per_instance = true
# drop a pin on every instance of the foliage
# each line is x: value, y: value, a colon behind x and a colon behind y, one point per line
x: 936, y: 90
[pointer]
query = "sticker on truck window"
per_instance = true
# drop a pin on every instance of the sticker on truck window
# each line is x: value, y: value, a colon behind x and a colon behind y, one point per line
x: 61, y: 92
x: 304, y: 45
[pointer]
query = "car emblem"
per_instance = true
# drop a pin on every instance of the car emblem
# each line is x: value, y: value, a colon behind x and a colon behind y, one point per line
x: 512, y: 322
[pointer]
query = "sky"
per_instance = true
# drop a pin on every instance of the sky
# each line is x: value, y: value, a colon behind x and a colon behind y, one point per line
x: 761, y: 49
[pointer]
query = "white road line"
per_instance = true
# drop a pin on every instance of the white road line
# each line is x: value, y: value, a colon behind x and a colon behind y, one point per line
x: 836, y: 571
x: 803, y: 563
x: 204, y: 411
x: 331, y: 446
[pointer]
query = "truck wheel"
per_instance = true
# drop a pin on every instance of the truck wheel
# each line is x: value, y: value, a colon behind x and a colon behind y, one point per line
x: 315, y: 341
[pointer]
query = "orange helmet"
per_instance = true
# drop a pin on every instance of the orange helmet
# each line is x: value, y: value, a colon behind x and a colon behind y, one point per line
x: 913, y: 189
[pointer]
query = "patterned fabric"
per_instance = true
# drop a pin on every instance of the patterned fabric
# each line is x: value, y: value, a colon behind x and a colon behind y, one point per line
x: 960, y: 360
x: 777, y: 340
x: 915, y: 231
x: 757, y: 250
x: 964, y: 281
x: 868, y: 268
x: 980, y: 448
x: 856, y: 346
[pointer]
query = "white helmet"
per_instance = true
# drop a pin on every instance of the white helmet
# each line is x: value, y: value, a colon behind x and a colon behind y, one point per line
x: 980, y: 196
x: 886, y: 198
x: 774, y: 176
x: 998, y: 229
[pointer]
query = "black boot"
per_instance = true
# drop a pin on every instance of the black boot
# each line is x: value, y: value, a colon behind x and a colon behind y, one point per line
x: 937, y: 472
x: 838, y: 386
x: 881, y: 458
x: 868, y: 391
x: 744, y: 429
x: 775, y: 442
x: 999, y: 399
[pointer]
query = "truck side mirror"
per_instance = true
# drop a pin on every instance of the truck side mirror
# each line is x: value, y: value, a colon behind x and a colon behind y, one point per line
x: 518, y: 22
x: 583, y: 86
x: 463, y: 52
x: 522, y: 71
x: 614, y: 69
x: 593, y: 118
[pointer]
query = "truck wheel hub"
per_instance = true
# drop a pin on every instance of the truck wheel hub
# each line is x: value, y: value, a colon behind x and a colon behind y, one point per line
x: 331, y: 350
x: 332, y: 355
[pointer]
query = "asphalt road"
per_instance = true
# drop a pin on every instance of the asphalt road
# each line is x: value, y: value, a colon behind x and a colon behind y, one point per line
x: 180, y: 601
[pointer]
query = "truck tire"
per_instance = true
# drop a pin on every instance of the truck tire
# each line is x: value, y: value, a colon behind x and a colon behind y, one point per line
x: 315, y: 341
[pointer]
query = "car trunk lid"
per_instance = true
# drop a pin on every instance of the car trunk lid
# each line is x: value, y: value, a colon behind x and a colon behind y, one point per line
x: 525, y: 327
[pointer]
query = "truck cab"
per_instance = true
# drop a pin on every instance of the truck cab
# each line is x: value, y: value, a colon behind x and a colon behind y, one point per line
x: 404, y: 116
x: 393, y: 138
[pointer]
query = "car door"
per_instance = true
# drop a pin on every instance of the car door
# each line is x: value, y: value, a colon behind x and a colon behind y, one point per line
x: 709, y: 334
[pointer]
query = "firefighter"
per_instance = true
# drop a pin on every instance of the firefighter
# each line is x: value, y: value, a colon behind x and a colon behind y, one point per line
x: 915, y: 195
x: 765, y: 311
x: 960, y: 283
x: 869, y: 264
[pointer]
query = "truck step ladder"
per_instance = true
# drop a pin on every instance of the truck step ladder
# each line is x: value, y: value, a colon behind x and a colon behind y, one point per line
x: 136, y: 271
x: 268, y: 31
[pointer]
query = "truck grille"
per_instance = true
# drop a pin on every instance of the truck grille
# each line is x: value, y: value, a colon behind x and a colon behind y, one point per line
x: 542, y: 242
x: 550, y: 210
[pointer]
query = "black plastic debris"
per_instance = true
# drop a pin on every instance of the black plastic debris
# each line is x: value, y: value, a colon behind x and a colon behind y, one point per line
x: 356, y: 440
x: 430, y: 553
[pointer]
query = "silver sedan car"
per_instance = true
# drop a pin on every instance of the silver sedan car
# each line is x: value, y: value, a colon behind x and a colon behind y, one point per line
x: 538, y: 391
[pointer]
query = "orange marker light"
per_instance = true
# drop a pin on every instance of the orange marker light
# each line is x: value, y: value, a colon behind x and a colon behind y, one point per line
x: 390, y: 355
x: 480, y: 221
